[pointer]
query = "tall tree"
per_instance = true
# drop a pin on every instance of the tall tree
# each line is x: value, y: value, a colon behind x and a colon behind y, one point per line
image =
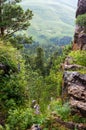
x: 40, y: 60
x: 13, y: 18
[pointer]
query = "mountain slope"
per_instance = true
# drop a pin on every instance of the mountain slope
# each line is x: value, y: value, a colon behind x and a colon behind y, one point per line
x: 51, y: 19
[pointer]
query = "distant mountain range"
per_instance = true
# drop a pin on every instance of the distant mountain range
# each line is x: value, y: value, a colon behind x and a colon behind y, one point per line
x: 52, y: 18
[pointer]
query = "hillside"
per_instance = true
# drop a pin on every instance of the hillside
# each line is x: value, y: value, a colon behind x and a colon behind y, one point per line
x: 42, y: 87
x: 51, y: 19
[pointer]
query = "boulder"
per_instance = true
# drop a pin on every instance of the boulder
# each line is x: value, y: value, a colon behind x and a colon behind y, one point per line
x: 74, y: 90
x: 81, y: 9
x: 79, y: 106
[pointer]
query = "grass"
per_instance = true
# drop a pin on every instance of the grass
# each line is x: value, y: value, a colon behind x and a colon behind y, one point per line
x: 79, y: 58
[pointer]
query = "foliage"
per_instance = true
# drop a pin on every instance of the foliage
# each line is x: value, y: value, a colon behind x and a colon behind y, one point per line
x: 1, y: 127
x: 39, y: 60
x: 59, y: 83
x: 12, y: 81
x: 21, y: 87
x: 79, y: 57
x: 19, y: 41
x: 6, y: 58
x: 62, y: 110
x: 20, y: 119
x: 81, y: 20
x: 45, y: 78
x: 23, y: 118
x: 13, y: 18
x: 78, y: 119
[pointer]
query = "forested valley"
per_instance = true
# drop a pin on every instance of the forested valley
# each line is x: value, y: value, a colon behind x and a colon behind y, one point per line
x: 34, y: 76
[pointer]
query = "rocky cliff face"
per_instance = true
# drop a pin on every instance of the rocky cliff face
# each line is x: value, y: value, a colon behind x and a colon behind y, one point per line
x: 74, y: 88
x: 80, y: 35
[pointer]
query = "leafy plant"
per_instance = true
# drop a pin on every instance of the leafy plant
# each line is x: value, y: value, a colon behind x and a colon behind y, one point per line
x: 79, y: 57
x: 62, y: 110
x: 23, y: 118
x: 81, y: 20
x: 12, y: 79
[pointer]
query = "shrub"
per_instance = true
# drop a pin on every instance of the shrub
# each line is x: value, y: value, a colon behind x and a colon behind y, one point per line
x: 23, y: 118
x: 62, y: 110
x: 20, y: 119
x: 81, y: 20
x: 13, y: 83
x: 79, y: 57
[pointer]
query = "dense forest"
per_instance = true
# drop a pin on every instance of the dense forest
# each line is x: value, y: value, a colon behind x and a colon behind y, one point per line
x: 32, y: 75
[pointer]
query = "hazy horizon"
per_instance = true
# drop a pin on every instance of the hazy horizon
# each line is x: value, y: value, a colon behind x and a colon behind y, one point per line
x: 51, y: 18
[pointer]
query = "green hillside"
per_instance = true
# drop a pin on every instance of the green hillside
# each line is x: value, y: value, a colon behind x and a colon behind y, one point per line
x: 42, y: 86
x: 51, y: 19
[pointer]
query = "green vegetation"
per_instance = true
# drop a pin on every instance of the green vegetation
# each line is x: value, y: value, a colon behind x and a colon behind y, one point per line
x: 31, y: 77
x: 12, y: 77
x: 13, y: 18
x: 79, y: 57
x: 81, y: 20
x: 24, y: 82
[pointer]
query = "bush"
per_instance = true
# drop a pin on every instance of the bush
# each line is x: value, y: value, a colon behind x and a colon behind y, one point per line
x: 81, y: 20
x: 23, y: 118
x: 12, y: 82
x: 8, y: 56
x: 62, y: 110
x: 20, y: 119
x: 79, y: 57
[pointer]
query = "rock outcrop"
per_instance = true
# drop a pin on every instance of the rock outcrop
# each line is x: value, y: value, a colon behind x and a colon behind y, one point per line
x: 80, y: 35
x: 74, y: 89
x: 81, y: 7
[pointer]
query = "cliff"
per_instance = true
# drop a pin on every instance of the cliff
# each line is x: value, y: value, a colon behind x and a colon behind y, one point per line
x: 75, y: 91
x: 80, y: 35
x: 74, y: 87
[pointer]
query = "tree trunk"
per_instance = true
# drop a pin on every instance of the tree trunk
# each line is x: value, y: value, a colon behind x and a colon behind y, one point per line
x: 1, y: 20
x: 2, y: 31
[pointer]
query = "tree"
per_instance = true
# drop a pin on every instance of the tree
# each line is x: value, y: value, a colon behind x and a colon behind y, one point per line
x: 81, y: 21
x: 19, y: 41
x: 13, y: 18
x: 40, y: 60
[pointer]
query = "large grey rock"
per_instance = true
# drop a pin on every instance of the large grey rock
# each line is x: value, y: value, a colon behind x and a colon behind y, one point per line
x: 79, y: 106
x: 78, y: 92
x: 73, y: 67
x: 74, y: 90
x: 81, y: 7
x: 82, y: 41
